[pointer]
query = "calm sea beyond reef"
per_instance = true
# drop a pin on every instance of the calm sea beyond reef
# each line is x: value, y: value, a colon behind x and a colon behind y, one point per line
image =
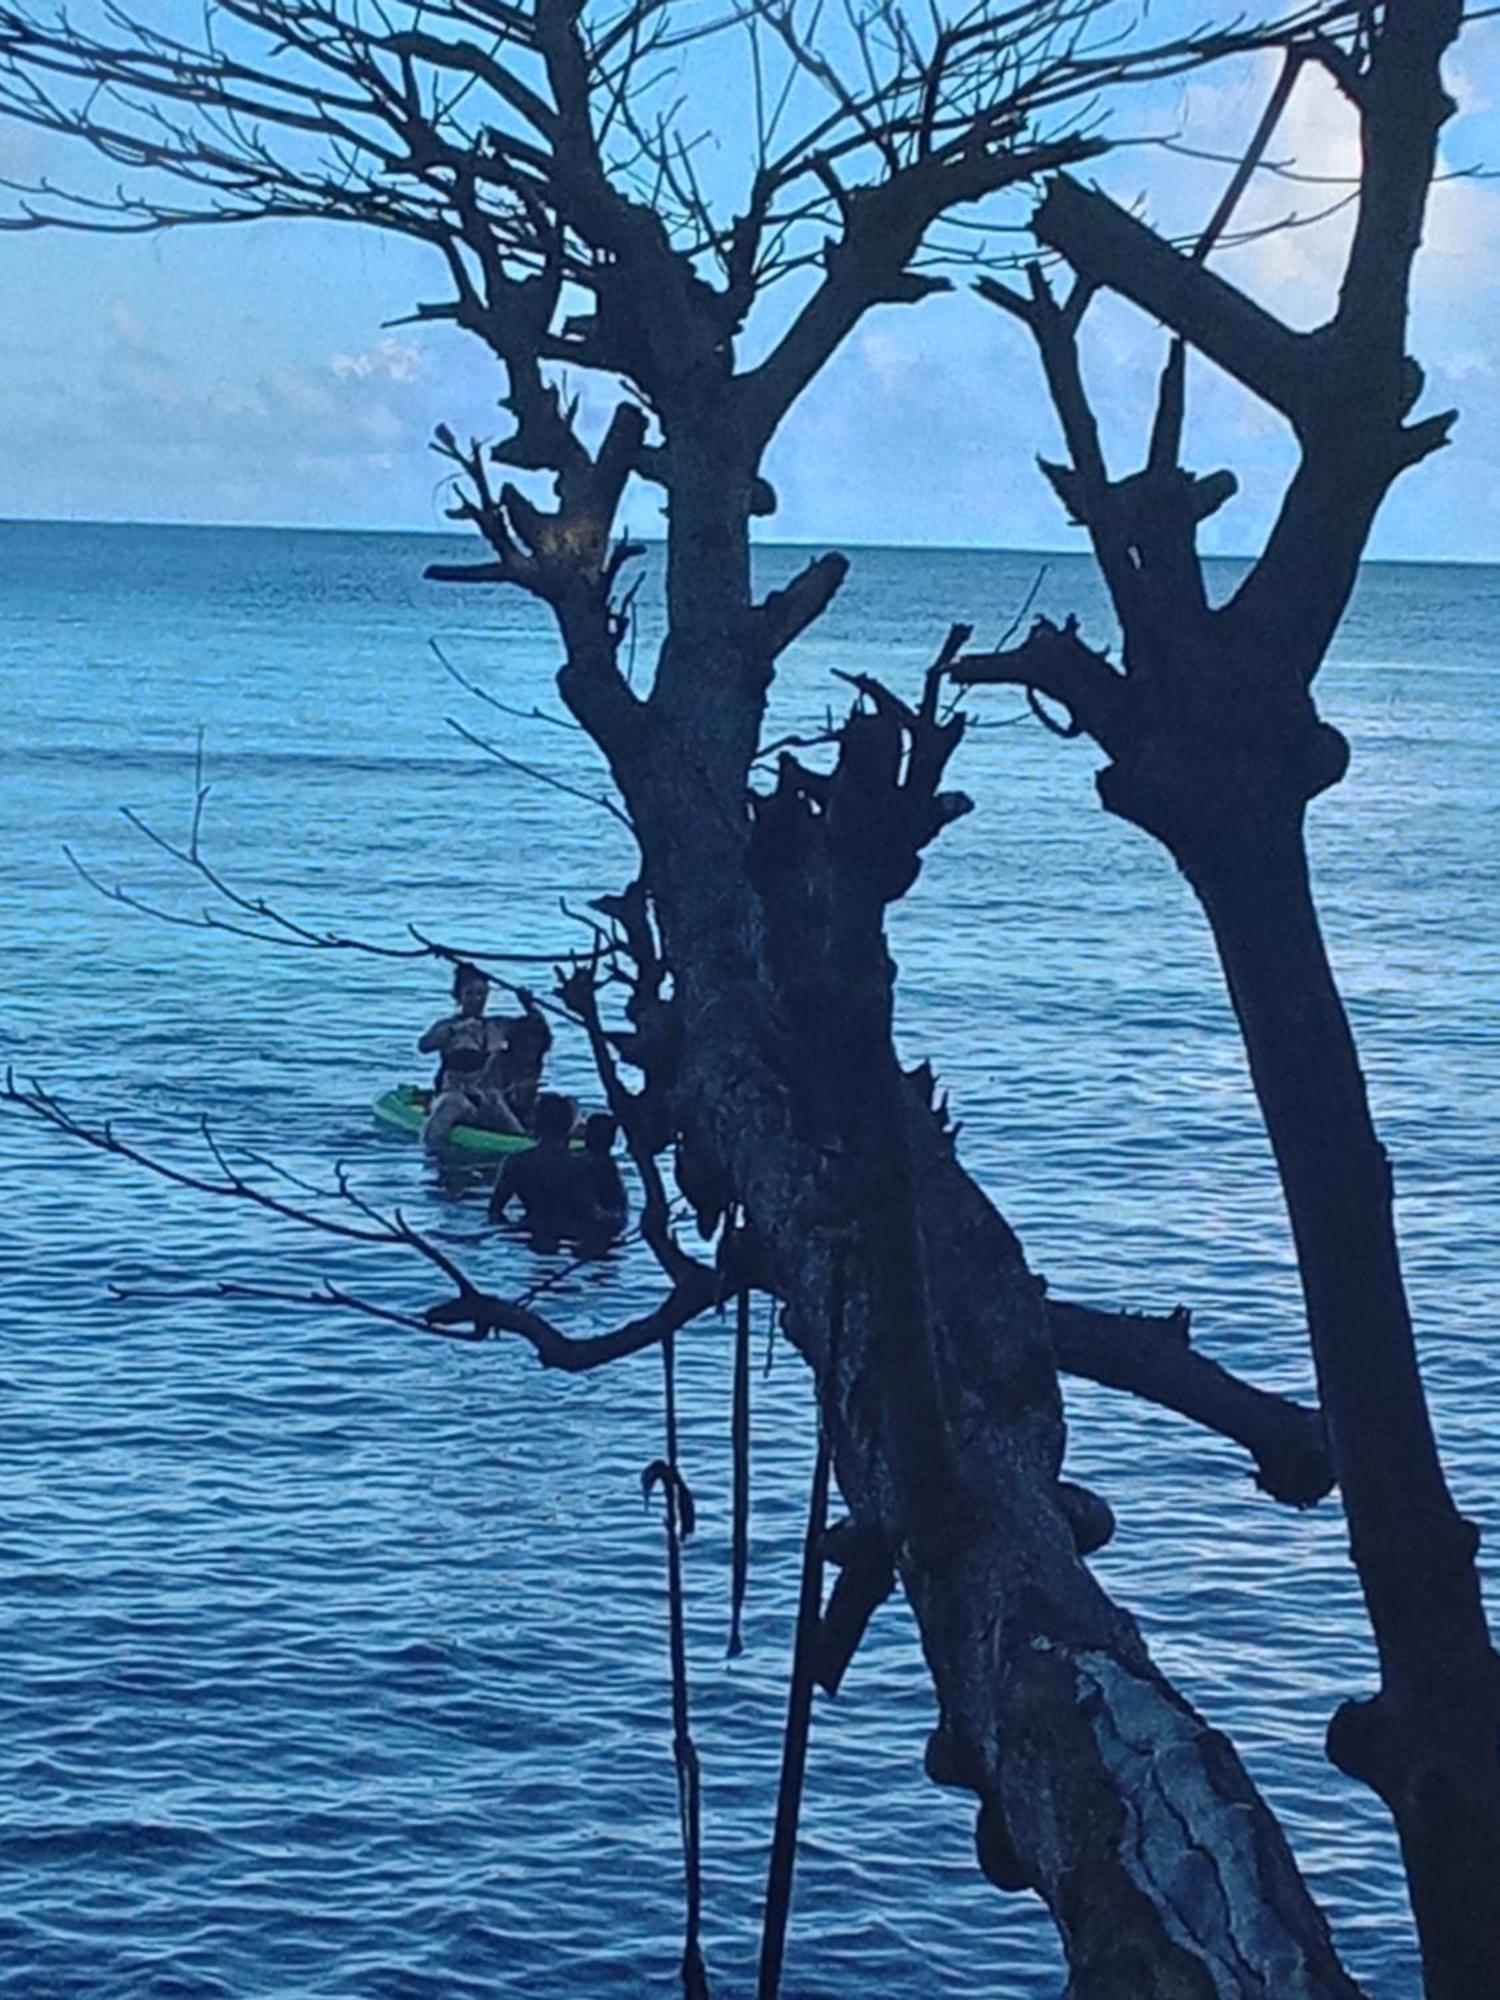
x: 335, y: 1657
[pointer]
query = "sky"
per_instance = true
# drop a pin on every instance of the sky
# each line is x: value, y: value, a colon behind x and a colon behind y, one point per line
x: 251, y: 375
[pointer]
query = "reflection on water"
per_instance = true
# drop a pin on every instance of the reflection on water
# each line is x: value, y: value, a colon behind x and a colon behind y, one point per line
x: 335, y: 1657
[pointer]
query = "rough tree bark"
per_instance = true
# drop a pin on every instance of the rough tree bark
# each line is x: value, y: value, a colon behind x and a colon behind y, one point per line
x: 776, y: 1073
x: 1215, y: 747
x: 1098, y: 1786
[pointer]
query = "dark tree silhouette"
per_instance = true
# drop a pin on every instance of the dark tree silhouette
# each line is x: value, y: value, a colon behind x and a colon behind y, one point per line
x: 529, y: 147
x: 1216, y: 748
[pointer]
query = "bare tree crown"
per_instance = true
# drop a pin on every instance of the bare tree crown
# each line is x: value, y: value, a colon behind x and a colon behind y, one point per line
x: 560, y: 157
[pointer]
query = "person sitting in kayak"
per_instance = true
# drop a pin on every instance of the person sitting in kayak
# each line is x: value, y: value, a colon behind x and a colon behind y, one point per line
x: 519, y: 1067
x: 473, y: 1053
x: 549, y: 1180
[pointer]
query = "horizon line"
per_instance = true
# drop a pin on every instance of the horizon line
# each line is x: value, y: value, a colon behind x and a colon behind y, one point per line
x: 656, y: 541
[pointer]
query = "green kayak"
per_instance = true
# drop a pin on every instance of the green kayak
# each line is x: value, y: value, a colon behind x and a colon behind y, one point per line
x: 404, y: 1110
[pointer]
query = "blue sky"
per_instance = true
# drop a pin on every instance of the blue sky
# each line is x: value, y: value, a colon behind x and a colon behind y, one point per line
x: 244, y: 374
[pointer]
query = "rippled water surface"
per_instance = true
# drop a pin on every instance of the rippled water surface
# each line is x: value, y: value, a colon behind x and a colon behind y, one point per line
x: 335, y: 1658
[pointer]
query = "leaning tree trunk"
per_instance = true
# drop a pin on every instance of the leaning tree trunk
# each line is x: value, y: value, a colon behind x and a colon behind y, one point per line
x: 1099, y: 1786
x: 1216, y: 748
x: 762, y: 1025
x: 1429, y: 1742
x: 1219, y: 761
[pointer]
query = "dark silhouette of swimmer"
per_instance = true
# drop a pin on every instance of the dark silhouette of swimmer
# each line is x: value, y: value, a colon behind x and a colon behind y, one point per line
x: 548, y: 1180
x: 565, y: 1196
x: 605, y: 1185
x: 608, y: 1202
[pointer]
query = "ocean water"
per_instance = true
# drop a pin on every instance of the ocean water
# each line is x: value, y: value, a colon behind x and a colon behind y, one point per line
x: 335, y: 1656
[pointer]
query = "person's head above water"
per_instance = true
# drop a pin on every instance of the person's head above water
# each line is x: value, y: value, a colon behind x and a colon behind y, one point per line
x: 553, y: 1117
x: 471, y: 987
x: 599, y: 1130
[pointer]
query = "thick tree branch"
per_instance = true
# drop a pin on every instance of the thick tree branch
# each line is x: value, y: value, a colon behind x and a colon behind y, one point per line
x: 1111, y: 249
x: 869, y: 263
x: 787, y: 613
x: 1084, y: 487
x: 866, y: 1577
x: 1347, y: 388
x: 1053, y: 661
x: 1152, y: 1358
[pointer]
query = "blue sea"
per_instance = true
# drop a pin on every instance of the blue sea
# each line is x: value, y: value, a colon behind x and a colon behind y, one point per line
x: 335, y: 1656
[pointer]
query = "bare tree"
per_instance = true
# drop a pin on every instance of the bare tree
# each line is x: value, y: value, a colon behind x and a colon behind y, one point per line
x: 1216, y: 748
x: 531, y: 149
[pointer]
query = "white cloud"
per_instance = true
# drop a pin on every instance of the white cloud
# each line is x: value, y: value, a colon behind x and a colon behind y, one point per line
x: 1295, y: 269
x: 1469, y: 364
x: 342, y: 468
x: 889, y: 361
x: 181, y: 424
x: 389, y: 361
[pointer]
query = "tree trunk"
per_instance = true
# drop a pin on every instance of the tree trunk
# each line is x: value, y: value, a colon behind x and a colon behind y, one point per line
x: 1099, y: 1786
x: 772, y: 1064
x: 1429, y: 1741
